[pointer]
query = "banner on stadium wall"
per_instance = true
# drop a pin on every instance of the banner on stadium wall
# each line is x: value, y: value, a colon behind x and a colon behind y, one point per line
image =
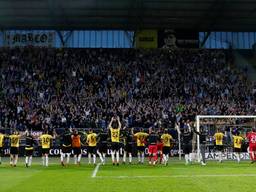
x: 146, y: 39
x: 227, y: 156
x: 169, y: 38
x: 23, y: 38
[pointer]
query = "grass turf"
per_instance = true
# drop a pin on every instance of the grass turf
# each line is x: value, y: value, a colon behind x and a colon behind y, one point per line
x: 176, y: 177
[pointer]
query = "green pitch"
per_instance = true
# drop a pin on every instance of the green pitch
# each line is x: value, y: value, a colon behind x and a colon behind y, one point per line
x: 176, y: 177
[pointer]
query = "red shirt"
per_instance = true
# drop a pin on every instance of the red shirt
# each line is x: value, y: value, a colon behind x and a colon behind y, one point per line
x: 251, y: 138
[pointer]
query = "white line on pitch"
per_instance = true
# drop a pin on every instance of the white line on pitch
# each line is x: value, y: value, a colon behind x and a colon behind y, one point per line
x: 95, y: 171
x: 178, y: 176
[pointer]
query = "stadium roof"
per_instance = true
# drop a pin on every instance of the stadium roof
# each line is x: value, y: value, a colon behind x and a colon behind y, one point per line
x: 199, y: 15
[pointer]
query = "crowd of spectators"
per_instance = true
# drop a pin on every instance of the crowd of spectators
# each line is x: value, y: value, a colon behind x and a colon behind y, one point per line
x: 51, y: 88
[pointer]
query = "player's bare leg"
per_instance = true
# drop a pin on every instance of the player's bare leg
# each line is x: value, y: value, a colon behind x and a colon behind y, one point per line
x: 15, y: 160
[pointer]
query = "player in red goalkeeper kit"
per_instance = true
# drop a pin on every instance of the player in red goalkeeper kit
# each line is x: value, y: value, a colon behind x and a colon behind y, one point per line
x: 252, y: 144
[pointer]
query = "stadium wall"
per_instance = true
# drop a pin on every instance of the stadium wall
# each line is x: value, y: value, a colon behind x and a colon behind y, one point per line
x: 70, y: 39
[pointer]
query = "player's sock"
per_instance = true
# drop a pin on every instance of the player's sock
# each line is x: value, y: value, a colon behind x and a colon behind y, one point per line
x: 30, y: 161
x: 167, y: 158
x: 104, y: 158
x: 124, y: 157
x: 113, y: 156
x: 101, y: 158
x: 62, y: 156
x: 139, y: 157
x: 155, y: 157
x: 142, y: 157
x: 164, y: 158
x: 190, y: 157
x: 15, y: 159
x: 26, y: 160
x: 43, y: 160
x: 220, y: 156
x: 186, y: 158
x: 11, y: 160
x: 117, y: 156
x: 68, y: 158
x: 75, y: 159
x: 89, y: 158
x: 94, y: 158
x: 46, y: 161
x: 161, y: 157
x: 238, y: 157
x: 130, y: 157
x: 79, y: 158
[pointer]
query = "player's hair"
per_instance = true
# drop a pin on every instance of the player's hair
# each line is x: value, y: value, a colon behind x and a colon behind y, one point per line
x: 165, y: 130
x: 46, y: 131
x: 90, y: 130
x: 253, y: 130
x: 114, y: 124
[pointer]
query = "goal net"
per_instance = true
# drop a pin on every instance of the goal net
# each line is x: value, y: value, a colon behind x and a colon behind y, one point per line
x: 229, y: 125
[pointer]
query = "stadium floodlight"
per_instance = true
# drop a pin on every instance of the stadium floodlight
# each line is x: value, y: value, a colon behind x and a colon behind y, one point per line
x: 224, y: 120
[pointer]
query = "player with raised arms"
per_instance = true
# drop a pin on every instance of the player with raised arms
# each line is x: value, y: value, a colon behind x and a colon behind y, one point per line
x: 45, y: 140
x: 66, y: 147
x: 14, y: 150
x: 92, y: 143
x: 114, y: 128
x: 29, y: 148
x: 128, y: 143
x: 102, y: 141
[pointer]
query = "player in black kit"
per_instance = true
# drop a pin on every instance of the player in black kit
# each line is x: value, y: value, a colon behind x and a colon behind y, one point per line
x: 102, y: 146
x: 128, y: 144
x: 187, y: 136
x: 66, y: 146
x: 30, y: 142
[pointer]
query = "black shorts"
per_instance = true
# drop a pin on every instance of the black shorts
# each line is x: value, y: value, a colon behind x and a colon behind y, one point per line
x: 166, y: 150
x: 77, y: 150
x: 103, y: 148
x: 1, y: 151
x: 14, y: 150
x: 140, y: 148
x: 91, y: 150
x: 115, y: 146
x: 237, y: 150
x: 187, y: 148
x: 66, y: 149
x: 219, y: 147
x: 29, y: 152
x: 45, y: 150
x: 128, y: 148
